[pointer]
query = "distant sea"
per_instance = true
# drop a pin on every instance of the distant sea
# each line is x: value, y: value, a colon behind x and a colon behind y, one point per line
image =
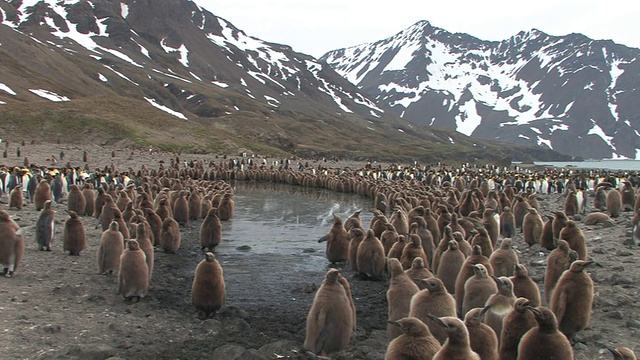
x: 594, y: 164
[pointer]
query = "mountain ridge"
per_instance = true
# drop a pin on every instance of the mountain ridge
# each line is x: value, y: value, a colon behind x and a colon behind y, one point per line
x: 211, y: 85
x: 529, y: 89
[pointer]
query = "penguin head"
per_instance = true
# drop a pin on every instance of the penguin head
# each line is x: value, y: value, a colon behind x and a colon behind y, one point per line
x: 331, y: 276
x: 580, y: 265
x: 209, y: 257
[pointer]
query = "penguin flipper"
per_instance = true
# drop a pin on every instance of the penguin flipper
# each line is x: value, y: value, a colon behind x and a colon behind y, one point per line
x: 18, y: 251
x: 559, y: 305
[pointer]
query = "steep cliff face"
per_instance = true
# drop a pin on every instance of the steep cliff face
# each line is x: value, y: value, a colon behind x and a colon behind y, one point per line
x: 571, y: 94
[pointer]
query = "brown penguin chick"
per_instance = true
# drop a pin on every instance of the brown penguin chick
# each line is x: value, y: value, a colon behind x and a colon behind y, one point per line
x: 401, y: 290
x: 11, y: 245
x: 622, y: 353
x: 414, y: 342
x: 532, y: 227
x: 572, y: 299
x: 628, y: 195
x: 559, y: 222
x: 483, y: 339
x: 100, y: 200
x: 208, y: 289
x: 181, y: 209
x: 520, y: 207
x: 596, y: 218
x: 544, y: 341
x: 478, y: 289
x: 337, y: 242
x: 330, y: 319
x: 524, y: 286
x: 635, y: 228
x: 614, y: 203
x: 507, y: 223
x: 574, y: 236
x: 378, y: 223
x: 108, y: 212
x: 42, y: 194
x: 155, y: 222
x: 500, y: 304
x: 466, y: 205
x: 164, y: 210
x: 122, y: 200
x: 74, y: 238
x: 370, y: 257
x: 143, y: 237
x: 353, y: 221
x: 347, y: 288
x: 194, y: 205
x: 122, y: 225
x: 128, y: 212
x: 467, y: 271
x: 434, y: 299
x: 411, y: 251
x: 356, y: 235
x: 89, y: 199
x: 463, y: 244
x: 458, y: 344
x: 418, y: 272
x: 388, y: 237
x: 456, y: 226
x: 111, y: 248
x: 133, y: 275
x: 484, y: 241
x: 400, y: 221
x: 491, y: 226
x: 447, y: 235
x: 532, y: 200
x: 45, y: 227
x: 210, y: 231
x: 432, y: 225
x: 16, y: 200
x: 504, y: 259
x: 444, y: 218
x: 205, y: 206
x: 425, y: 235
x: 491, y: 200
x: 226, y: 207
x: 600, y: 198
x: 571, y: 203
x: 546, y: 241
x: 170, y: 236
x: 450, y: 263
x: 514, y: 326
x: 558, y: 261
x: 397, y: 248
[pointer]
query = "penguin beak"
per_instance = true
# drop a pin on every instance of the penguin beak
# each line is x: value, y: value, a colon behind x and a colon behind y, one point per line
x: 485, y: 309
x: 535, y: 311
x: 394, y: 323
x: 589, y: 262
x: 496, y: 279
x: 615, y: 352
x: 437, y: 320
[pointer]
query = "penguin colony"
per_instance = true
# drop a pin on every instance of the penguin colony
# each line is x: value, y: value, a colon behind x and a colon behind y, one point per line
x: 478, y: 302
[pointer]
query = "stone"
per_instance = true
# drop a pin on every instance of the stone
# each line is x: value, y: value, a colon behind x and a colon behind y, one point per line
x: 229, y: 352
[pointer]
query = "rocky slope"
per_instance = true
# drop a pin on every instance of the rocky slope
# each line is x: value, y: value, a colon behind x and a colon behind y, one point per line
x: 568, y: 93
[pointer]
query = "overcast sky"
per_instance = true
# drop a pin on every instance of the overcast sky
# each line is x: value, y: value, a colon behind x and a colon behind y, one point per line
x: 317, y: 27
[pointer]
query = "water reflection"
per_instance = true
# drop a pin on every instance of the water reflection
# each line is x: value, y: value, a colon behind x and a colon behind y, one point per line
x: 284, y: 219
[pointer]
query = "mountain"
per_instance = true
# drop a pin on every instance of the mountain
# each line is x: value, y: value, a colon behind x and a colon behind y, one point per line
x: 170, y: 74
x: 569, y: 93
